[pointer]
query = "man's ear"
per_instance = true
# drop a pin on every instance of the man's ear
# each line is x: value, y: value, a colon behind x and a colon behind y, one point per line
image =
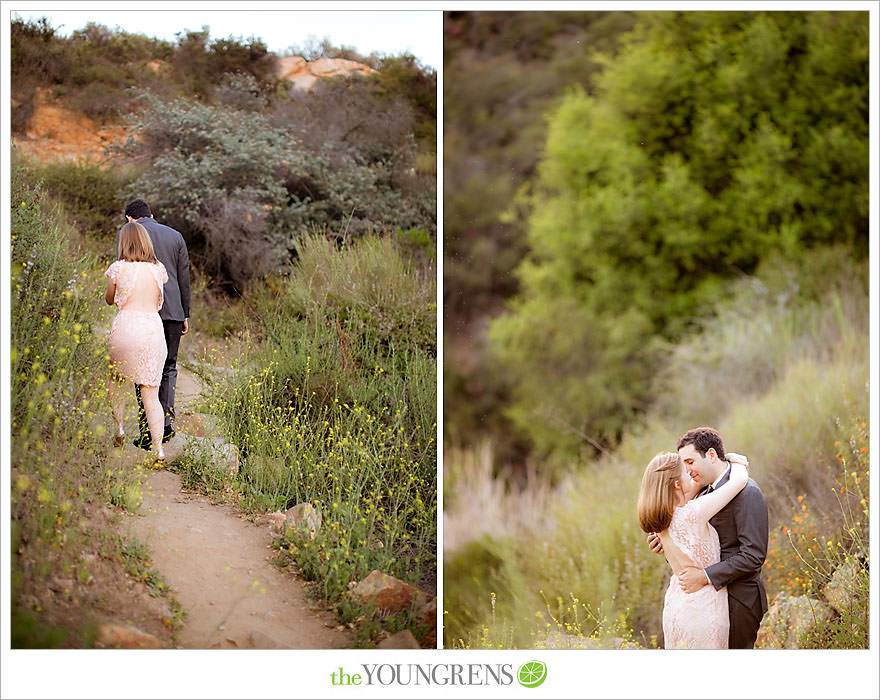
x: 712, y: 454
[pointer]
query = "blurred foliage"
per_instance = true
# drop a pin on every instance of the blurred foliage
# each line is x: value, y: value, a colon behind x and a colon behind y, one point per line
x: 709, y: 142
x: 503, y: 70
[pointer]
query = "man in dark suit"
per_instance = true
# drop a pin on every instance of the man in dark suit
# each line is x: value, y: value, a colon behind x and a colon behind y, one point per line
x: 171, y: 251
x: 743, y: 531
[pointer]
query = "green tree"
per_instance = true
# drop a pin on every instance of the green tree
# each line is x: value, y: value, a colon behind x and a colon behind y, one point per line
x: 711, y: 140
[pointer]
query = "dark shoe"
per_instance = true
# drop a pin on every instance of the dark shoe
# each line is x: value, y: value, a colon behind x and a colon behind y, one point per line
x: 145, y: 442
x: 119, y: 441
x: 168, y: 434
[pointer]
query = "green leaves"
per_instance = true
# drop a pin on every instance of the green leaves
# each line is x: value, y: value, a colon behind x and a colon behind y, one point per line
x: 711, y: 141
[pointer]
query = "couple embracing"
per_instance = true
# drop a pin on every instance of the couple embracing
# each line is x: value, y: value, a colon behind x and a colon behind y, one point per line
x: 703, y: 512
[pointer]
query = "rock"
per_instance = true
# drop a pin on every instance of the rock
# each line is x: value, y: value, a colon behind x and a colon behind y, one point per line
x: 215, y: 450
x: 789, y: 619
x: 841, y: 589
x: 401, y: 640
x: 261, y: 640
x: 621, y: 643
x: 392, y: 595
x: 557, y: 640
x: 277, y: 522
x: 325, y: 67
x: 290, y: 66
x: 159, y: 66
x: 305, y: 74
x: 304, y: 517
x: 388, y: 593
x: 427, y: 615
x: 120, y: 637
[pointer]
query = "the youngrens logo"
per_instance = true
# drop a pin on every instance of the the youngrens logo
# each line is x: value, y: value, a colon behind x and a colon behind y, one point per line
x: 529, y: 675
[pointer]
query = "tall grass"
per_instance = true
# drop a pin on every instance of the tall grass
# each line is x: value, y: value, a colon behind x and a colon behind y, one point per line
x: 780, y: 369
x: 337, y: 407
x: 62, y: 468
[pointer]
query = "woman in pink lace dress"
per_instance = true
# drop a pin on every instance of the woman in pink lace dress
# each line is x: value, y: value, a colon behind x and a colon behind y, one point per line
x: 137, y: 339
x: 667, y: 506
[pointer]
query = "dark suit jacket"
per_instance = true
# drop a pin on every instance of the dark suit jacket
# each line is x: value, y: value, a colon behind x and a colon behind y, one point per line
x: 172, y: 253
x: 743, y: 531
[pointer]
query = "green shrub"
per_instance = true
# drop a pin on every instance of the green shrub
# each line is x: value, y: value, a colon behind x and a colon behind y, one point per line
x: 691, y: 161
x: 91, y: 194
x: 58, y: 408
x: 243, y: 191
x: 337, y: 407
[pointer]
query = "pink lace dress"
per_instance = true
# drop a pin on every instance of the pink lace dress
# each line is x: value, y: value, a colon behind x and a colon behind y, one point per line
x: 137, y: 339
x: 695, y: 620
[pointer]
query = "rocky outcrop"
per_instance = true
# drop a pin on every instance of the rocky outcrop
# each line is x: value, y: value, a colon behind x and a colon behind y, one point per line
x: 789, y: 619
x: 304, y: 74
x: 159, y: 66
x: 56, y: 132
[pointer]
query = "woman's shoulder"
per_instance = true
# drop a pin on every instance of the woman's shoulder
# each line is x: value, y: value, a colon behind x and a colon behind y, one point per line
x: 160, y: 271
x: 686, y: 511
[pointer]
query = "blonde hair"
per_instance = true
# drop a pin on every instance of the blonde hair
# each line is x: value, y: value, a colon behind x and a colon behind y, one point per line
x: 657, y: 495
x: 135, y: 244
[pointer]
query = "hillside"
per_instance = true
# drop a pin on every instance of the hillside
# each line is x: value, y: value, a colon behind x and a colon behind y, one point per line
x: 57, y: 131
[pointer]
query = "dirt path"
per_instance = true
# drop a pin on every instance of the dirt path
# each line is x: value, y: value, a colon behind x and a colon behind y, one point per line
x: 217, y: 564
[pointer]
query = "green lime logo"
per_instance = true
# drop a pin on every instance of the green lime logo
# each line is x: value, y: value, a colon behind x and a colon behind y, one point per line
x: 531, y: 674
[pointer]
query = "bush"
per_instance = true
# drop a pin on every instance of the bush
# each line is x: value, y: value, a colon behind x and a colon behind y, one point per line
x: 337, y: 408
x: 243, y: 192
x: 91, y: 194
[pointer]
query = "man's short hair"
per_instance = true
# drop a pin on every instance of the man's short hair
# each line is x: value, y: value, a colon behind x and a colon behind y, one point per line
x: 703, y: 439
x: 138, y: 209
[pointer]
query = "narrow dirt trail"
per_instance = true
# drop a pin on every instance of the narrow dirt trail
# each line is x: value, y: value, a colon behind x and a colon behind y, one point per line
x: 217, y: 564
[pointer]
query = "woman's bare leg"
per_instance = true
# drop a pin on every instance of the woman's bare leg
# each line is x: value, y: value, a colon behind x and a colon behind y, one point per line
x: 155, y: 416
x: 116, y: 391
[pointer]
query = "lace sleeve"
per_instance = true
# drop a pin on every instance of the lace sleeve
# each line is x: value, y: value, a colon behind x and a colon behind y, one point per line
x: 112, y: 272
x: 161, y: 276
